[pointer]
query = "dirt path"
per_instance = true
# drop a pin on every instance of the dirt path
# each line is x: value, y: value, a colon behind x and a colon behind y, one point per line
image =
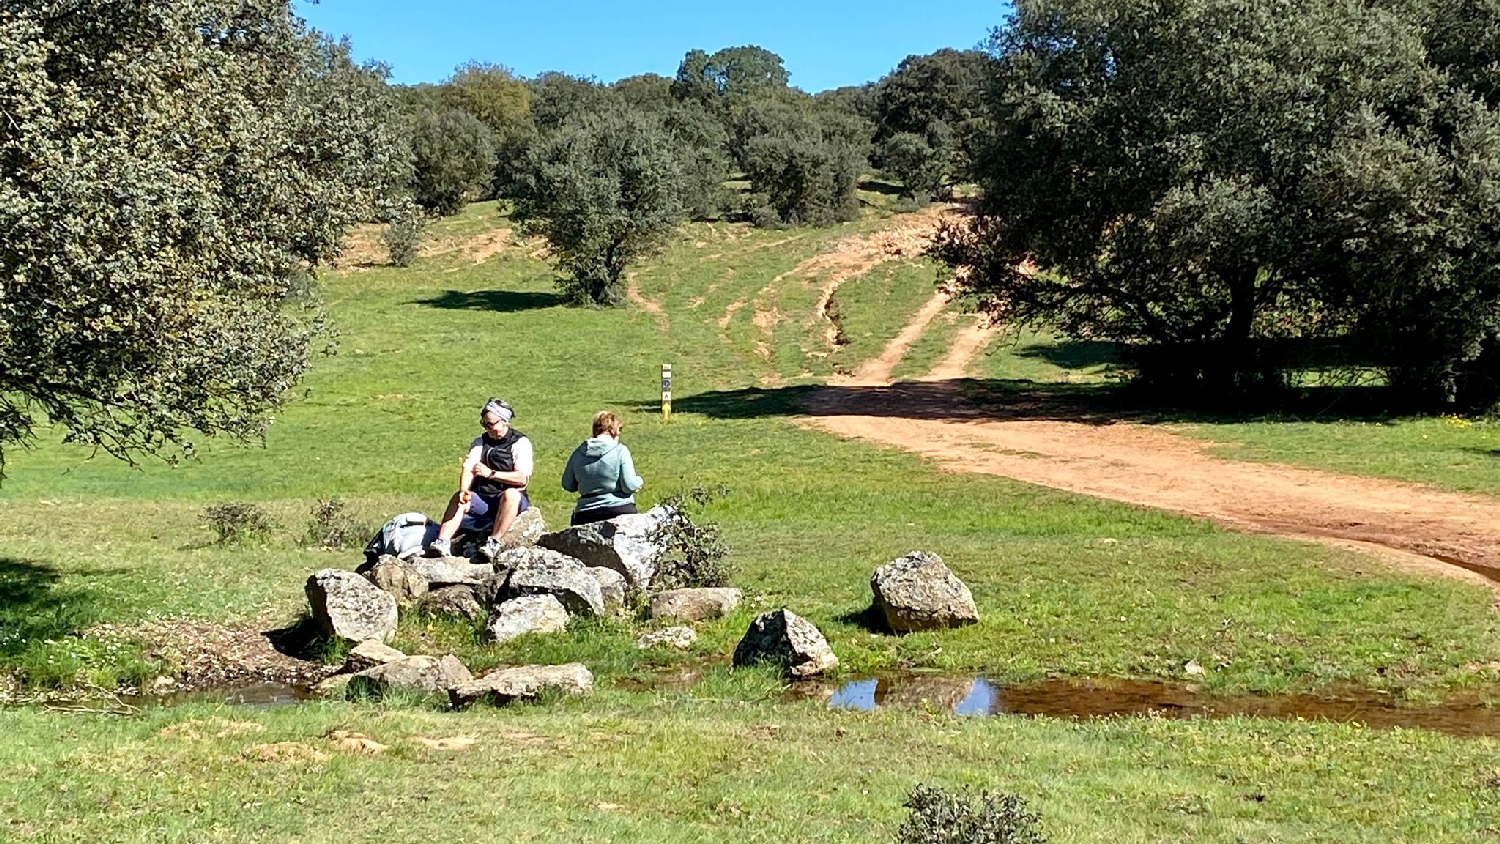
x: 1045, y: 442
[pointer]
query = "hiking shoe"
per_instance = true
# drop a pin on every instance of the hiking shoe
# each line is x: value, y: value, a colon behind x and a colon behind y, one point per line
x: 491, y: 549
x: 440, y: 548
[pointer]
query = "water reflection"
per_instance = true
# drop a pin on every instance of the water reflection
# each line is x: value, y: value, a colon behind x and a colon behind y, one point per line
x: 976, y: 696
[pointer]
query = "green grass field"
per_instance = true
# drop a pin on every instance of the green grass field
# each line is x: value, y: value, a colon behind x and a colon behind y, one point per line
x: 1066, y: 586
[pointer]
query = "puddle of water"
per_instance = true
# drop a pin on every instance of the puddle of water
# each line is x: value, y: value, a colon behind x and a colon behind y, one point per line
x: 255, y: 695
x: 976, y: 696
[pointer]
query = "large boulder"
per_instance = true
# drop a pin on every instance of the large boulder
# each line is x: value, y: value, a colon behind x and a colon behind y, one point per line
x: 526, y: 614
x: 918, y: 592
x: 349, y: 608
x: 784, y: 638
x: 420, y: 674
x: 626, y: 544
x: 396, y: 576
x: 692, y: 605
x: 538, y: 571
x: 525, y: 683
x: 612, y: 587
x: 453, y: 600
x: 370, y: 654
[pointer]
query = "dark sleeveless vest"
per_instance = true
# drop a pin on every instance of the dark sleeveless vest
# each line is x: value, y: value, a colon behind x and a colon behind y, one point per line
x: 495, y: 453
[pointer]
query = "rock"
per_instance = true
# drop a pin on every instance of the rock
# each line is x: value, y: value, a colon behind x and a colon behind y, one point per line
x: 1192, y: 667
x: 693, y: 604
x: 450, y: 571
x: 525, y: 530
x: 427, y: 674
x: 369, y: 654
x: 624, y: 544
x: 526, y: 614
x: 680, y: 638
x: 395, y: 576
x: 918, y: 592
x: 612, y: 587
x: 335, y: 687
x: 538, y: 571
x: 350, y: 608
x: 454, y: 600
x: 786, y: 639
x: 524, y: 683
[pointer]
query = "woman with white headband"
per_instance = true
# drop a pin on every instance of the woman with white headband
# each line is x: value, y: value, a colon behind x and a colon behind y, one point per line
x: 492, y: 484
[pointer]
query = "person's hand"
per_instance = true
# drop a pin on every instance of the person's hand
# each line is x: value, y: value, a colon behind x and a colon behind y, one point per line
x: 463, y: 497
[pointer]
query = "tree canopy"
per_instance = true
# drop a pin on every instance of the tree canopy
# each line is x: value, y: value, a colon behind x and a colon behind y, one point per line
x: 604, y: 189
x: 169, y: 173
x: 1200, y: 177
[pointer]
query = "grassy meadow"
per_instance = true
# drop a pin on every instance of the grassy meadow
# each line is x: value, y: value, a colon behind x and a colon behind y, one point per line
x: 1066, y: 587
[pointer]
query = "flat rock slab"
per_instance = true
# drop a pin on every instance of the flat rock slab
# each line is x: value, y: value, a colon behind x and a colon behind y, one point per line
x: 450, y: 571
x: 349, y: 608
x: 783, y: 638
x: 525, y: 530
x: 526, y: 614
x: 422, y: 674
x: 539, y: 571
x: 525, y: 683
x: 678, y: 638
x: 918, y: 592
x: 626, y: 544
x: 370, y: 654
x: 694, y: 604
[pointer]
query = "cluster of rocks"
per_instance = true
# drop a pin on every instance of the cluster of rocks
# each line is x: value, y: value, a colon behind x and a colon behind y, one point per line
x: 542, y: 580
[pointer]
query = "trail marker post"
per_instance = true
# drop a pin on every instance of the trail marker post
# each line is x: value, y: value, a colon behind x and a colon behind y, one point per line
x: 666, y: 392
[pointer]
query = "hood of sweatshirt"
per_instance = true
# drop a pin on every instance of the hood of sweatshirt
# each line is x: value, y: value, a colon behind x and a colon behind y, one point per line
x: 597, y: 447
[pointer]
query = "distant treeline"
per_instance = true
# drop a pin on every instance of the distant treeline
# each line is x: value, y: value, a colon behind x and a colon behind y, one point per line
x: 486, y: 133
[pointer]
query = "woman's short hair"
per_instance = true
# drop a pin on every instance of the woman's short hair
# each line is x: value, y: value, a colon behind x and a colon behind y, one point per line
x: 606, y: 422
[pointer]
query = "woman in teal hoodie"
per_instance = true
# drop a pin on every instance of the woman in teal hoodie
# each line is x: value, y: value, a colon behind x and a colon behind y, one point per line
x: 602, y: 474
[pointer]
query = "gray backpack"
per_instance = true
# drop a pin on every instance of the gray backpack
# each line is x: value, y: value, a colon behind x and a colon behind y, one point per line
x: 407, y: 535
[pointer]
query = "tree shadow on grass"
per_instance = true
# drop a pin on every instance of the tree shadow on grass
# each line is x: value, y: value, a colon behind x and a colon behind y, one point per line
x: 496, y: 301
x: 996, y: 399
x: 877, y: 186
x: 1073, y: 354
x: 34, y: 607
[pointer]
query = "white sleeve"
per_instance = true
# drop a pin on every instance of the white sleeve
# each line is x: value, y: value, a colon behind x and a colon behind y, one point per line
x: 476, y: 453
x: 520, y: 452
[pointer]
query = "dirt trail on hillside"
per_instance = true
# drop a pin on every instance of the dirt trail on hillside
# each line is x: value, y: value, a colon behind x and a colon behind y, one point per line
x: 1047, y: 440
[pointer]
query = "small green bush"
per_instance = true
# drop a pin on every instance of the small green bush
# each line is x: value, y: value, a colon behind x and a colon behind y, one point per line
x: 334, y: 527
x: 942, y: 817
x: 402, y: 238
x: 693, y: 553
x: 237, y: 522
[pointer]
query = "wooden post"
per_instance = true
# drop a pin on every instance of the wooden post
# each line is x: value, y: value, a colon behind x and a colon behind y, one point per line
x: 666, y: 392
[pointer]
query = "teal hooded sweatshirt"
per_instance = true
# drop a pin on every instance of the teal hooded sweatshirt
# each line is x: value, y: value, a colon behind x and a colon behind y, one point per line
x: 602, y: 474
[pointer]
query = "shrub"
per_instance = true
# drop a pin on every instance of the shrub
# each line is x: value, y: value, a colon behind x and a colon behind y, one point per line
x: 402, y: 237
x: 235, y: 522
x: 693, y: 553
x: 333, y: 526
x: 942, y: 817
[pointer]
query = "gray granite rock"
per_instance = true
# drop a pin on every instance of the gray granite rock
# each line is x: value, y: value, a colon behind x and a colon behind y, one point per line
x: 526, y: 614
x: 692, y: 605
x: 626, y: 544
x: 538, y: 571
x: 918, y: 592
x: 680, y: 638
x: 454, y: 600
x: 420, y: 674
x: 349, y: 608
x: 524, y: 683
x: 786, y: 639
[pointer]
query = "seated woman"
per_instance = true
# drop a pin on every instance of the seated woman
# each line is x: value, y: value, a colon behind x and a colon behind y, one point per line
x: 492, y: 483
x: 602, y: 474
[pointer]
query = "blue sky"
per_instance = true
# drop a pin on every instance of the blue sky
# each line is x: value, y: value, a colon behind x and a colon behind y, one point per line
x: 824, y: 44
